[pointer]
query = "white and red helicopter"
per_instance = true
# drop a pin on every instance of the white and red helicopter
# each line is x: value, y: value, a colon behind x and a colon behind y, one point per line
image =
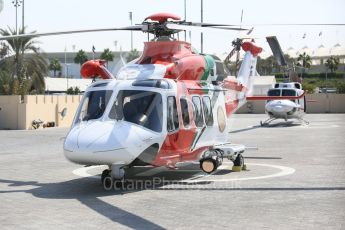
x: 284, y: 101
x: 170, y: 106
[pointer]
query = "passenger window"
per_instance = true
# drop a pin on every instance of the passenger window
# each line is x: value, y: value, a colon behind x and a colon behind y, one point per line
x: 172, y: 121
x: 206, y: 102
x: 185, y: 113
x: 197, y: 112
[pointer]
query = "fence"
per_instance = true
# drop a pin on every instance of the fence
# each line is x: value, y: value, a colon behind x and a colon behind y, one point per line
x: 17, y: 114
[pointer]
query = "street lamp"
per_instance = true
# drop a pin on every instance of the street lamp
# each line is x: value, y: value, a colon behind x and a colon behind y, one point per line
x: 202, y: 34
x: 131, y: 19
x: 67, y: 74
x: 22, y: 15
x: 115, y: 44
x: 185, y: 19
x: 16, y: 4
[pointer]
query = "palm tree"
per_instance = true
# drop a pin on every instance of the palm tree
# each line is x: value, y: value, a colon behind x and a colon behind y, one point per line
x: 304, y: 60
x: 27, y: 64
x: 133, y: 54
x: 107, y: 55
x: 3, y: 50
x: 81, y: 57
x: 332, y: 63
x: 55, y: 65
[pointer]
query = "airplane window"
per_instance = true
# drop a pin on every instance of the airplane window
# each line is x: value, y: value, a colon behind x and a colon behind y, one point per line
x: 185, y: 113
x: 93, y: 105
x: 197, y: 112
x: 143, y: 108
x: 206, y: 101
x: 172, y: 121
x: 273, y: 92
x: 288, y: 92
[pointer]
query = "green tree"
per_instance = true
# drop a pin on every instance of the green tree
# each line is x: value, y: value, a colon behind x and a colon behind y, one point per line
x: 77, y: 90
x: 26, y: 63
x: 304, y: 60
x: 70, y: 91
x: 55, y: 65
x: 6, y: 83
x: 73, y: 91
x: 332, y: 63
x: 81, y: 57
x: 341, y: 87
x: 3, y: 50
x: 133, y: 54
x: 107, y: 55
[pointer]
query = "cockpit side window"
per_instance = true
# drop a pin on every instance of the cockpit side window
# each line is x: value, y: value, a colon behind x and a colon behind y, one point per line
x: 185, y: 113
x: 289, y: 92
x: 143, y: 108
x: 206, y: 102
x: 93, y: 105
x: 197, y: 112
x: 273, y: 93
x: 172, y: 121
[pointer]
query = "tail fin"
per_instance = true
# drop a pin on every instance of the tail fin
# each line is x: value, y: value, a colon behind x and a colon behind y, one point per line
x: 248, y: 67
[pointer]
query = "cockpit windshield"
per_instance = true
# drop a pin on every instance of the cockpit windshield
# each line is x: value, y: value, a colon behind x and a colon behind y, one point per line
x: 289, y: 92
x: 143, y: 108
x: 93, y: 105
x: 273, y: 92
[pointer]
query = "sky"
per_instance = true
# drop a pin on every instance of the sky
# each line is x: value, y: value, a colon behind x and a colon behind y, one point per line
x: 62, y: 15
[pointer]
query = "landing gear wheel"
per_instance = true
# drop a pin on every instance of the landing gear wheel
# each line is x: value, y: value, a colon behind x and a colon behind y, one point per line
x: 119, y: 183
x: 238, y: 163
x: 208, y: 166
x: 104, y: 174
x: 108, y: 183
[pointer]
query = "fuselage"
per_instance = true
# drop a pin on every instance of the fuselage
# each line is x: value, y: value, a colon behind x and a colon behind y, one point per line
x: 285, y: 108
x: 157, y: 122
x: 169, y: 106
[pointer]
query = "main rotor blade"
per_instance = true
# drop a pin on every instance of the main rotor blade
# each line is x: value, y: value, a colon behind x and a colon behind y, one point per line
x: 203, y: 24
x: 276, y: 50
x: 174, y: 26
x: 298, y: 24
x: 135, y: 28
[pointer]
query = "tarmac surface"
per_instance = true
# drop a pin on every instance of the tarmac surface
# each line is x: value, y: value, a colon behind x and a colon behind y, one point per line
x: 295, y: 180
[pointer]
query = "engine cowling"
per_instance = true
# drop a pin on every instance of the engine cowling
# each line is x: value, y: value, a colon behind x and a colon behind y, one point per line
x: 95, y: 68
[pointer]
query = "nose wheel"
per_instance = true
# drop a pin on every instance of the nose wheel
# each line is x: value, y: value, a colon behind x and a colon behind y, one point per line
x: 113, y: 178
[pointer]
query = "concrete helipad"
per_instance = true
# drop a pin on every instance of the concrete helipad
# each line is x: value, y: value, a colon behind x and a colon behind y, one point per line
x: 295, y: 180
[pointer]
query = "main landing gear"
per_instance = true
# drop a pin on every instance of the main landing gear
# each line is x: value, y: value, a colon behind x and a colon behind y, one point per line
x: 113, y: 177
x: 239, y: 164
x: 213, y: 158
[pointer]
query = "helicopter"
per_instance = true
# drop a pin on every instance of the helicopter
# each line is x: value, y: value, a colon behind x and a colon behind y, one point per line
x: 285, y: 100
x: 170, y: 106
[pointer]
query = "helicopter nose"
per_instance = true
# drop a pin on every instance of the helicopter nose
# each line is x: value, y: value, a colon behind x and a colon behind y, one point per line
x: 86, y: 143
x: 104, y: 143
x: 279, y: 106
